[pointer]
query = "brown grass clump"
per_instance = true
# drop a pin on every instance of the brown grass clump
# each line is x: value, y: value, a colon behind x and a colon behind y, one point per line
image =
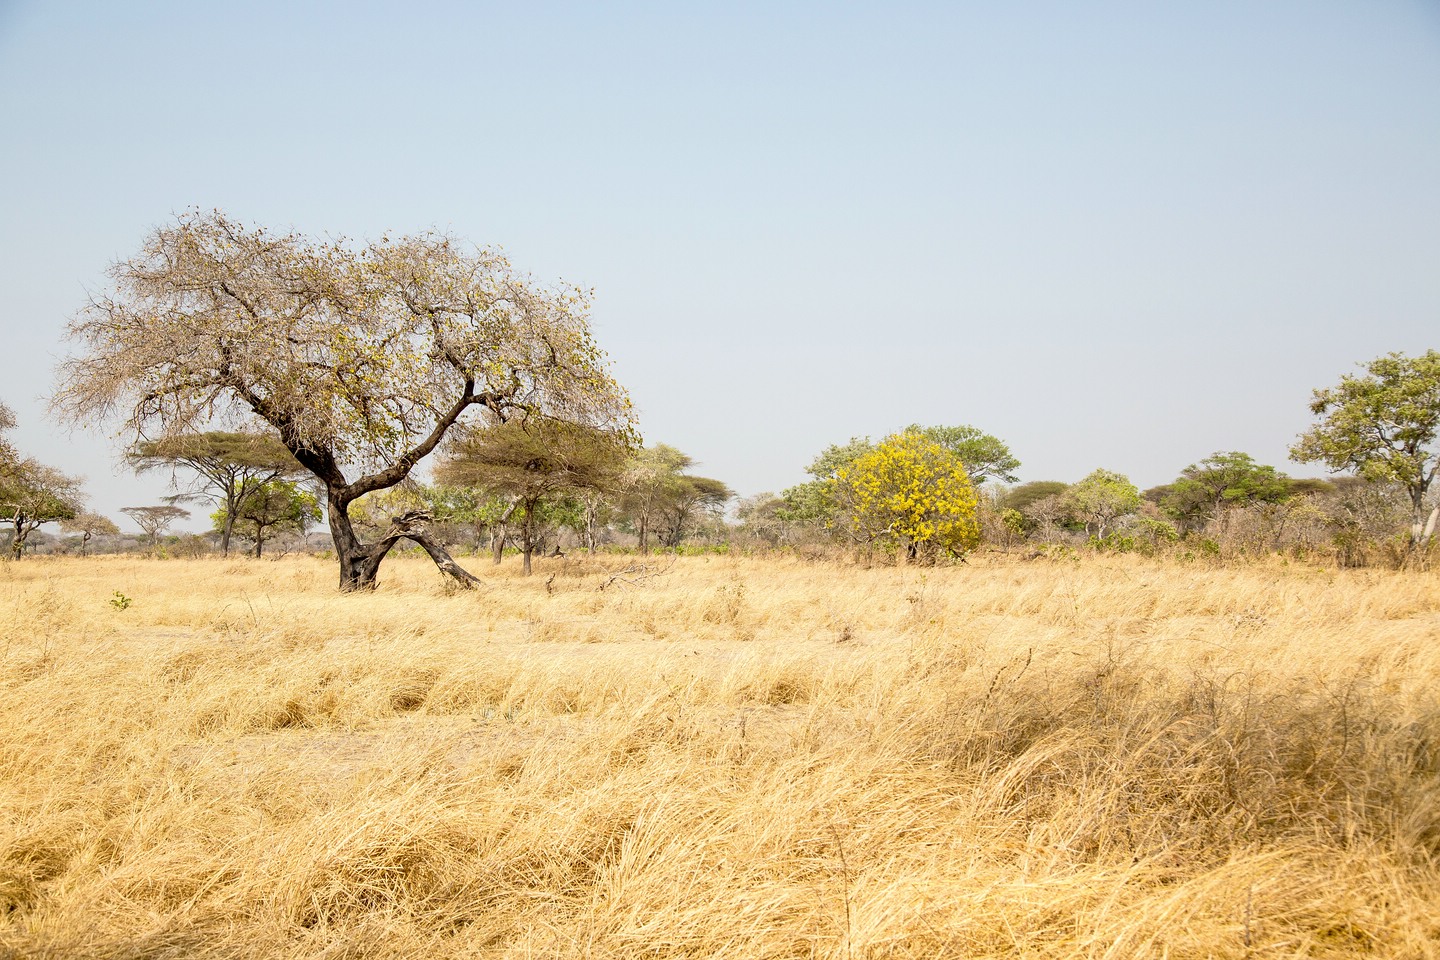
x: 722, y: 757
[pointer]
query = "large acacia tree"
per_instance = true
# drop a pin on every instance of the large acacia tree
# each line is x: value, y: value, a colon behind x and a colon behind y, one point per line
x: 361, y: 358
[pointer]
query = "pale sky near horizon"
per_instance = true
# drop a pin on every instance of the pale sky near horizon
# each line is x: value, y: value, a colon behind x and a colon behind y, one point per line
x: 1118, y: 234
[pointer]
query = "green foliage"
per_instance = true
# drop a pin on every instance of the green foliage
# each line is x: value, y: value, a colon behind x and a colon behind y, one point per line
x: 31, y: 495
x: 1156, y: 531
x: 986, y: 457
x: 1100, y: 499
x: 1026, y: 494
x: 813, y: 502
x: 810, y: 502
x: 229, y: 465
x: 530, y: 458
x: 658, y: 495
x: 909, y: 492
x: 1114, y: 543
x: 463, y: 505
x: 119, y: 601
x: 568, y: 512
x: 689, y: 499
x: 270, y: 508
x: 536, y: 467
x: 837, y: 457
x: 1220, y: 480
x: 468, y: 508
x: 1382, y: 426
x: 216, y: 453
x: 1014, y: 521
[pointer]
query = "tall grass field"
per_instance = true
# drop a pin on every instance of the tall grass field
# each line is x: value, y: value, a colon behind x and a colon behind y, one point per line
x: 718, y: 757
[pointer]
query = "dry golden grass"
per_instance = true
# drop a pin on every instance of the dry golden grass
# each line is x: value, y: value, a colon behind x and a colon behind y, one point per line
x: 733, y: 758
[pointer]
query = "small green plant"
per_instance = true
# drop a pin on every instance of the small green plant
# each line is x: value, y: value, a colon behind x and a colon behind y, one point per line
x: 119, y: 601
x: 1114, y: 543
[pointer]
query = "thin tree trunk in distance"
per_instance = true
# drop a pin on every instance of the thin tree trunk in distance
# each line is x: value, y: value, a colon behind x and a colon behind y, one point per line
x: 528, y: 533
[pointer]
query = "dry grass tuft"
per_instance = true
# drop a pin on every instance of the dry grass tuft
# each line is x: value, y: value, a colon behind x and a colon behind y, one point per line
x: 719, y: 757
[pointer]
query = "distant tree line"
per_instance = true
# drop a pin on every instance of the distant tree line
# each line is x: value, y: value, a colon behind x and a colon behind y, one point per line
x: 337, y: 370
x: 923, y: 494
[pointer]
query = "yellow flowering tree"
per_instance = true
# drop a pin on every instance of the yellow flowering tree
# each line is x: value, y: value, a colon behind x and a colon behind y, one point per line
x: 910, y: 493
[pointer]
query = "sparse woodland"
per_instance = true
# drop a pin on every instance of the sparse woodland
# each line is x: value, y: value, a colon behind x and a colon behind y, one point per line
x: 915, y: 706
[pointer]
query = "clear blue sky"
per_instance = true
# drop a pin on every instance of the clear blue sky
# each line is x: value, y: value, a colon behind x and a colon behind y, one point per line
x: 1119, y: 234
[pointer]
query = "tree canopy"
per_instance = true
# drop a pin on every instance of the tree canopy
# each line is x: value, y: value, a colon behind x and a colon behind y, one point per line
x: 910, y: 492
x: 532, y: 461
x: 687, y: 498
x: 89, y: 525
x: 986, y: 457
x: 268, y: 508
x: 1232, y: 478
x: 155, y: 520
x: 1021, y: 498
x: 32, y: 494
x: 230, y: 465
x: 1382, y: 426
x: 645, y: 487
x: 1100, y: 499
x: 8, y: 456
x: 813, y: 501
x: 361, y: 358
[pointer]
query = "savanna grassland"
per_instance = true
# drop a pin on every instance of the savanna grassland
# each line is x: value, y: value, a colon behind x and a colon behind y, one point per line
x: 719, y: 757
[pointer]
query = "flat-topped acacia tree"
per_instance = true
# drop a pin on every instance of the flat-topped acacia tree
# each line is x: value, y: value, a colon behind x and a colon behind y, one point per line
x: 230, y: 466
x: 361, y: 358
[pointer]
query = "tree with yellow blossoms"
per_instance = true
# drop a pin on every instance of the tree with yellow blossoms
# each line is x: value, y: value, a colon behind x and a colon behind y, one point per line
x: 909, y: 493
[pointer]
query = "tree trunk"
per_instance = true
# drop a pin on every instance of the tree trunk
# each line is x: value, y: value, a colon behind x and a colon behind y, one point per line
x: 442, y: 558
x: 592, y: 519
x: 1421, y: 528
x: 360, y: 562
x: 499, y: 531
x: 228, y: 526
x: 234, y: 494
x: 529, y: 535
x: 23, y: 529
x: 347, y: 550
